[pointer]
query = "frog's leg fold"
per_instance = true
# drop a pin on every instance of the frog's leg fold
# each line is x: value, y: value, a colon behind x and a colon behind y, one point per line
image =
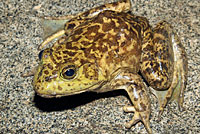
x: 58, y: 26
x: 137, y: 92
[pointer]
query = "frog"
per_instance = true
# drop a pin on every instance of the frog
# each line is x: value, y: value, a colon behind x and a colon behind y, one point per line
x: 108, y: 48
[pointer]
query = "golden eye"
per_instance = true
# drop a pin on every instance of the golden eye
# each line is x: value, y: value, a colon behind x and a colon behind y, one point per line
x: 68, y: 72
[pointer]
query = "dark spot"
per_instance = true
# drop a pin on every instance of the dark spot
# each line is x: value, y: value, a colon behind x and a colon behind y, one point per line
x: 70, y: 53
x: 108, y: 26
x: 59, y: 88
x: 46, y: 72
x: 54, y: 72
x: 86, y: 14
x: 156, y: 66
x: 47, y: 79
x: 135, y: 99
x: 85, y: 43
x: 50, y: 66
x: 123, y: 44
x: 70, y: 26
x: 53, y: 60
x: 148, y: 48
x: 42, y: 88
x: 59, y: 47
x: 98, y: 36
x: 76, y: 39
x: 143, y: 106
x: 78, y: 31
x: 58, y: 57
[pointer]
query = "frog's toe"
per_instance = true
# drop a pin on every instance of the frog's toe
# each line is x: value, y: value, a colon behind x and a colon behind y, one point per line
x: 135, y: 119
x: 178, y: 96
x: 129, y: 109
x: 138, y: 116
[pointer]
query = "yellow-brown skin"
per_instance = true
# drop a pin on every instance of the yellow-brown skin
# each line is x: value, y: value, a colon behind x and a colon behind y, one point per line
x: 106, y: 47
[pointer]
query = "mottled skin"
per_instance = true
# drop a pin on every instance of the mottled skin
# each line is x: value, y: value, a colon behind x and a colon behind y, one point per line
x: 104, y: 49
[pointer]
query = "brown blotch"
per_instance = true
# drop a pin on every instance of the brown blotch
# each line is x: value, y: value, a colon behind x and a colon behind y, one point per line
x: 42, y: 88
x: 98, y: 36
x: 92, y: 29
x: 53, y: 60
x: 85, y: 43
x: 148, y: 48
x: 135, y: 99
x: 70, y: 26
x: 69, y: 46
x: 108, y: 26
x: 69, y: 53
x: 54, y: 72
x: 59, y: 88
x: 143, y: 106
x: 75, y: 39
x: 58, y: 57
x: 47, y: 79
x: 46, y: 72
x: 59, y: 47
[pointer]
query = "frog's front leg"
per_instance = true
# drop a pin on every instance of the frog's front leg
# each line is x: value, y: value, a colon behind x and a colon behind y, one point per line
x: 164, y: 65
x: 137, y: 92
x: 76, y: 20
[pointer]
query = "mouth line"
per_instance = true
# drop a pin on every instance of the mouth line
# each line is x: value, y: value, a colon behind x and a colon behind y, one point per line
x: 57, y: 95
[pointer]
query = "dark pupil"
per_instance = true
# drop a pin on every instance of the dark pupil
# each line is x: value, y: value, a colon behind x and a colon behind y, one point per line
x: 70, y: 72
x: 40, y: 54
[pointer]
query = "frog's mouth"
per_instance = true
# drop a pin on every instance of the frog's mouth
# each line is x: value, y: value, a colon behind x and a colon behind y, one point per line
x: 54, y: 93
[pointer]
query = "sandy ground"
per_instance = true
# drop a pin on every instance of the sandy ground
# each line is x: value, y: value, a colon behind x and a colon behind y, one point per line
x: 22, y: 111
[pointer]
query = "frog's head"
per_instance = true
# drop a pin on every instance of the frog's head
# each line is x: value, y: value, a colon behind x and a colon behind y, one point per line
x: 60, y: 76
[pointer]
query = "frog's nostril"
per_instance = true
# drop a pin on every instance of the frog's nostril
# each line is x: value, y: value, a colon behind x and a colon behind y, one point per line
x: 40, y: 54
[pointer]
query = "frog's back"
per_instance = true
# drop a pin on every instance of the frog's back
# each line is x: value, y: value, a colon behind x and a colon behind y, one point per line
x: 111, y: 40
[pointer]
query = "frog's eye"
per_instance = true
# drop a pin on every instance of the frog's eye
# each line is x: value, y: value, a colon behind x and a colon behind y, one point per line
x: 40, y: 54
x: 69, y: 72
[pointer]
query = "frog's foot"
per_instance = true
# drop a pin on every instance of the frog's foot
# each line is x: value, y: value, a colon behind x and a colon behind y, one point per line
x: 137, y: 92
x: 138, y: 116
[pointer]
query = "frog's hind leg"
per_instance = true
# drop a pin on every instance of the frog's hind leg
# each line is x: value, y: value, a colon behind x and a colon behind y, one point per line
x: 177, y: 88
x: 168, y: 71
